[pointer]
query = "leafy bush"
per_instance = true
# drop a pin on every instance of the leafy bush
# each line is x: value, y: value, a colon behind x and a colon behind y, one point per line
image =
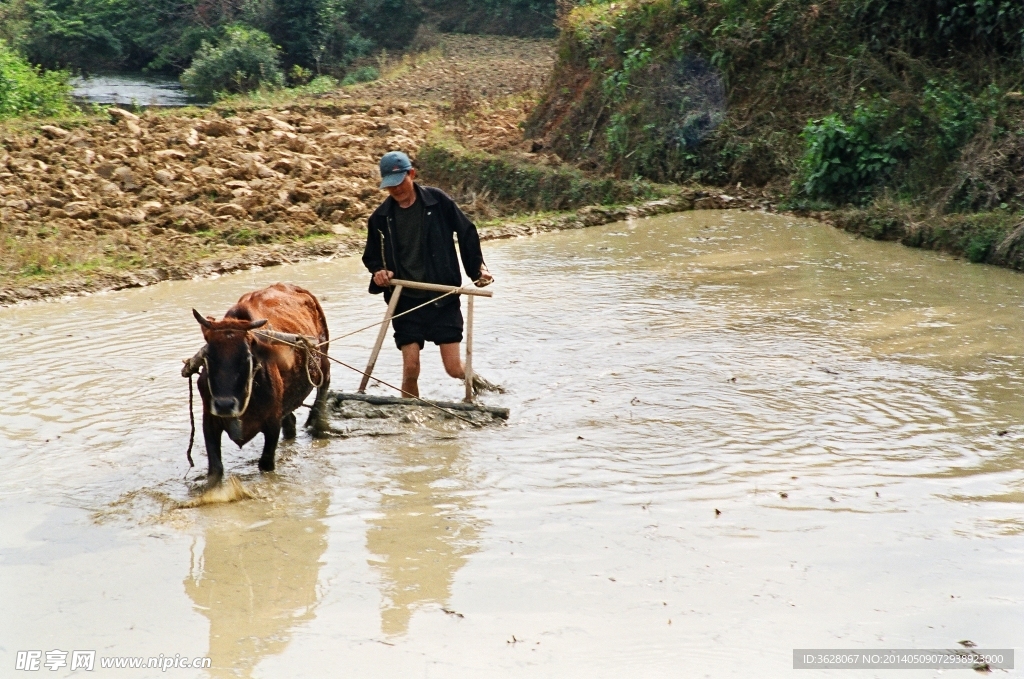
x: 244, y: 60
x: 320, y: 85
x: 955, y: 114
x: 844, y: 160
x: 178, y: 46
x: 616, y: 82
x: 327, y: 35
x: 28, y: 90
x: 997, y: 22
x: 363, y: 74
x: 298, y: 76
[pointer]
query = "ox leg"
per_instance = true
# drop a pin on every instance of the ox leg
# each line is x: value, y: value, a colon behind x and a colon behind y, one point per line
x: 288, y: 427
x: 271, y: 434
x: 212, y: 430
x: 317, y: 420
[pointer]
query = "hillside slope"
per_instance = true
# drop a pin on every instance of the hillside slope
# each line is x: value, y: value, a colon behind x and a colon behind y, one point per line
x: 908, y: 116
x: 724, y: 91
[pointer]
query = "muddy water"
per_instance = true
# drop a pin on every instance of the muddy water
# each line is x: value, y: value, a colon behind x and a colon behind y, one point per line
x: 839, y: 401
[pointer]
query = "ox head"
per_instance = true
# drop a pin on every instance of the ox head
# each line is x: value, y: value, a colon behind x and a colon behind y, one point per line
x: 230, y: 365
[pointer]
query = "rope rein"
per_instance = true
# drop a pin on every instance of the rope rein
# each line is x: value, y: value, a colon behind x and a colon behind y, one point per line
x: 408, y: 311
x: 191, y: 421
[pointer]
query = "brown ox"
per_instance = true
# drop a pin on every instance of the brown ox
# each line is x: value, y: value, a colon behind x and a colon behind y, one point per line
x: 252, y: 379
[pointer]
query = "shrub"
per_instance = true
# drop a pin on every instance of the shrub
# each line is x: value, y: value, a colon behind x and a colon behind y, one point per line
x: 28, y: 90
x: 320, y: 85
x: 363, y: 74
x: 245, y: 59
x: 298, y: 76
x: 846, y: 160
x: 956, y: 115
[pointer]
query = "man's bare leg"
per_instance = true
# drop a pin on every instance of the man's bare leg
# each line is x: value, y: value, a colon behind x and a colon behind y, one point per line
x: 411, y: 369
x: 452, y: 359
x: 450, y: 356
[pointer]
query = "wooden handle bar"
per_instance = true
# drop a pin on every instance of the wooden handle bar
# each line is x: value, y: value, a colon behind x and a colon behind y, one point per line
x: 433, y: 287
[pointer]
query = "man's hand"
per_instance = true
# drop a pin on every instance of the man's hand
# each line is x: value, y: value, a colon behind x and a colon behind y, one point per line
x: 485, y: 278
x: 383, y: 277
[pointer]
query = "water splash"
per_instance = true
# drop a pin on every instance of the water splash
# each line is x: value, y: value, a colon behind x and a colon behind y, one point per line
x: 231, y: 490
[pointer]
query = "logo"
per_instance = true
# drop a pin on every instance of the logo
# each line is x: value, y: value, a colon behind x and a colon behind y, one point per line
x: 31, y: 661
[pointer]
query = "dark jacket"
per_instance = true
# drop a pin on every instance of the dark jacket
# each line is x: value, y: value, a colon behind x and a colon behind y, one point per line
x: 443, y: 219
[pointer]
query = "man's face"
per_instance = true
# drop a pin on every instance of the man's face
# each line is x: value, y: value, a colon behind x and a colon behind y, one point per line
x: 405, y: 189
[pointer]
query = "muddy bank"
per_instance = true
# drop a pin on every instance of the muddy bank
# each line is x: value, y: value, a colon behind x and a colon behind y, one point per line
x: 352, y: 244
x: 994, y: 237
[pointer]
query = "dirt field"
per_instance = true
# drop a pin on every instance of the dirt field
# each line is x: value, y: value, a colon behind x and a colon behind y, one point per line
x: 130, y: 199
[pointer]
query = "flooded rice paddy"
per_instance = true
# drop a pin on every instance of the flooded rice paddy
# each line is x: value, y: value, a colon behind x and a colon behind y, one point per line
x: 732, y: 435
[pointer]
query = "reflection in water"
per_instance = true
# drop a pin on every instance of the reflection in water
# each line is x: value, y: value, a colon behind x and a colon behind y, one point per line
x: 256, y: 577
x: 425, y: 532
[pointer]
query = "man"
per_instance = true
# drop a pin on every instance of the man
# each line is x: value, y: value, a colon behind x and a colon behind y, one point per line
x: 410, y: 237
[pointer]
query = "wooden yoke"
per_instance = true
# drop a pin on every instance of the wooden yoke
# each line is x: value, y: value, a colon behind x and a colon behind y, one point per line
x: 432, y: 287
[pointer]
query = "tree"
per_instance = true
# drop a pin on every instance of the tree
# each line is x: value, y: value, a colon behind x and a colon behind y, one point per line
x: 245, y: 59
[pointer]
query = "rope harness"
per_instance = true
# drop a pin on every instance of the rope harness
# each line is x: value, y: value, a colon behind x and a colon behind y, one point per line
x: 376, y: 323
x: 311, y: 365
x: 192, y: 366
x: 309, y: 347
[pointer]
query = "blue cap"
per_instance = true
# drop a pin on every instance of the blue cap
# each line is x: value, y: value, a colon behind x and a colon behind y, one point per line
x: 393, y: 168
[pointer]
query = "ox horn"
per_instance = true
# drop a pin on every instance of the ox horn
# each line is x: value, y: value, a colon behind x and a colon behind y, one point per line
x: 203, y: 321
x: 257, y: 324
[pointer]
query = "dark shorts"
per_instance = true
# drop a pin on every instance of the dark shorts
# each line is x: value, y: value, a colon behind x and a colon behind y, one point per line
x: 439, y: 322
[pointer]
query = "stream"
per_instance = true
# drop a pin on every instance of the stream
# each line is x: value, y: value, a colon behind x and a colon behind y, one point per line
x: 732, y: 434
x: 125, y: 89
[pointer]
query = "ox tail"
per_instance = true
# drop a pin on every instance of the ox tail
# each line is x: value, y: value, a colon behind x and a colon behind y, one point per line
x: 325, y: 335
x: 317, y: 418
